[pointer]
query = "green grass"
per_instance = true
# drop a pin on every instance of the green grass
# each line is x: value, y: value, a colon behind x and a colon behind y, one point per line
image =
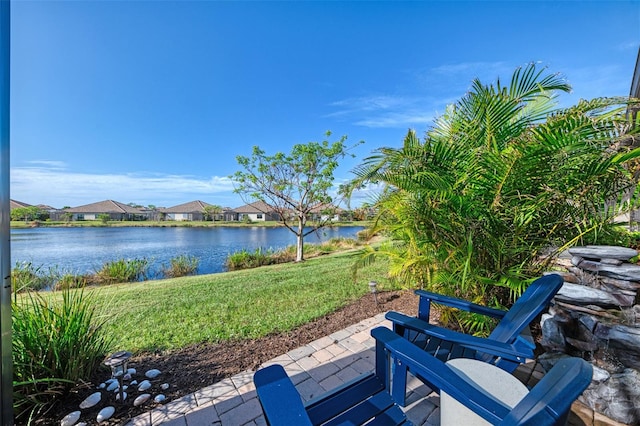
x: 174, y: 313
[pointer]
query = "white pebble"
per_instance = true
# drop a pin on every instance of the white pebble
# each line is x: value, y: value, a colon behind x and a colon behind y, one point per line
x: 164, y: 386
x: 124, y: 396
x: 159, y: 398
x: 70, y: 419
x: 105, y: 414
x: 131, y: 371
x: 102, y: 386
x: 152, y: 374
x: 113, y: 386
x: 134, y: 382
x: 141, y: 399
x: 126, y: 377
x: 91, y: 400
x: 82, y: 424
x: 144, y: 385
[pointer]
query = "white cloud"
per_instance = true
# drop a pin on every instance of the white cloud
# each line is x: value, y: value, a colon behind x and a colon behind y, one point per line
x: 54, y: 185
x: 384, y: 111
x: 434, y: 88
x: 431, y: 90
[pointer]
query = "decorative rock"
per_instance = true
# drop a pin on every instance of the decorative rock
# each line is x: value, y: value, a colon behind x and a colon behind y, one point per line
x: 113, y: 386
x: 164, y: 386
x: 604, y: 252
x: 619, y: 336
x: 91, y: 400
x: 134, y: 382
x: 152, y: 374
x: 159, y: 398
x: 82, y: 424
x: 102, y: 386
x: 611, y: 261
x: 126, y: 377
x: 616, y: 397
x: 576, y: 260
x: 141, y: 399
x: 568, y: 277
x: 582, y: 345
x: 623, y: 284
x: 105, y: 414
x: 626, y: 271
x: 144, y: 385
x: 131, y: 371
x: 124, y: 396
x: 575, y: 293
x: 70, y: 419
x: 553, y: 337
x: 599, y: 374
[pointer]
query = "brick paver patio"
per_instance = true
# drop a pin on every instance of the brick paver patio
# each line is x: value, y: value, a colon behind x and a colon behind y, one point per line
x: 314, y: 368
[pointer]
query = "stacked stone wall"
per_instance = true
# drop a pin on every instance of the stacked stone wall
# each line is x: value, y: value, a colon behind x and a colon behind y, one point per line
x: 596, y: 315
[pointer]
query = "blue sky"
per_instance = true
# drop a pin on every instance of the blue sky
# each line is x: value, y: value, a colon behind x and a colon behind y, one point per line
x: 151, y: 101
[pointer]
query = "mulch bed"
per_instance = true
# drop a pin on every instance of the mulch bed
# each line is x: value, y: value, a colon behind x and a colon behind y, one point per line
x: 201, y: 365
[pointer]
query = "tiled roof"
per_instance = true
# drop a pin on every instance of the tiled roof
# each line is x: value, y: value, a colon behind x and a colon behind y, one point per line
x: 322, y: 207
x: 192, y: 207
x: 17, y: 204
x: 255, y: 207
x: 107, y: 206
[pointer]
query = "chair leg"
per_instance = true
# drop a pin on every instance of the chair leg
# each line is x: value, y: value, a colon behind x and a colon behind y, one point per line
x: 399, y: 382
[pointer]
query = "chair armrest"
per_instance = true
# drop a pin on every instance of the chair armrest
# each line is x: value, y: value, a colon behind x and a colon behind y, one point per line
x: 549, y: 402
x: 517, y: 353
x: 420, y: 363
x: 279, y: 398
x: 426, y: 297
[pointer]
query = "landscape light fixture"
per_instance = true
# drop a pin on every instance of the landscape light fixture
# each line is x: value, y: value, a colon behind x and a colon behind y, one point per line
x: 374, y: 290
x: 118, y: 364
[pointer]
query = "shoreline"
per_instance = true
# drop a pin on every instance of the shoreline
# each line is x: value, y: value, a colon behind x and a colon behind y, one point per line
x: 166, y: 224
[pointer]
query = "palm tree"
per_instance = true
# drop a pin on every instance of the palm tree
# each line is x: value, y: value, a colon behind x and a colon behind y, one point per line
x: 500, y: 184
x: 211, y: 212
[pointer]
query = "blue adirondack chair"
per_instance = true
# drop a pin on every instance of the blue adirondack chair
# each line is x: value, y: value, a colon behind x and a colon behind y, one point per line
x: 371, y: 399
x: 506, y: 347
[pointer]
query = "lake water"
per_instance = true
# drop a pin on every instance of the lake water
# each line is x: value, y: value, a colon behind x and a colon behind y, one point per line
x: 84, y: 250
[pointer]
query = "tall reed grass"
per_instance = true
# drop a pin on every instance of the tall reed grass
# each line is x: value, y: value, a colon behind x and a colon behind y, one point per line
x: 181, y: 266
x: 57, y: 341
x: 123, y: 271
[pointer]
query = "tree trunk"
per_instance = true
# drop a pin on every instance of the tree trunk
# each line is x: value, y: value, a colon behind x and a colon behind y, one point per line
x: 299, y: 241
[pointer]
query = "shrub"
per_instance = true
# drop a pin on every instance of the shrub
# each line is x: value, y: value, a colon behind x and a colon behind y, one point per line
x: 244, y: 259
x: 68, y: 281
x: 56, y: 342
x: 502, y: 183
x: 26, y: 276
x: 181, y: 266
x: 123, y: 270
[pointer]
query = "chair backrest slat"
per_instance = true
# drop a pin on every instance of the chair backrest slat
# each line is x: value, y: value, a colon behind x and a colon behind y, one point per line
x: 528, y: 306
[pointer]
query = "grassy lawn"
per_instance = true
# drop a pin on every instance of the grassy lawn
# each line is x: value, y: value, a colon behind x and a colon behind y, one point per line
x: 173, y: 313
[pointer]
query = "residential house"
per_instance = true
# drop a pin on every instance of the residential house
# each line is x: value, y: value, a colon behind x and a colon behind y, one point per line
x: 258, y: 211
x: 323, y: 212
x: 46, y: 212
x: 194, y: 210
x: 115, y: 210
x: 13, y: 204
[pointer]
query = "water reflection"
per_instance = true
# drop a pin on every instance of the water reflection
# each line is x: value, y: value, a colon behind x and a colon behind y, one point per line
x: 84, y: 250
